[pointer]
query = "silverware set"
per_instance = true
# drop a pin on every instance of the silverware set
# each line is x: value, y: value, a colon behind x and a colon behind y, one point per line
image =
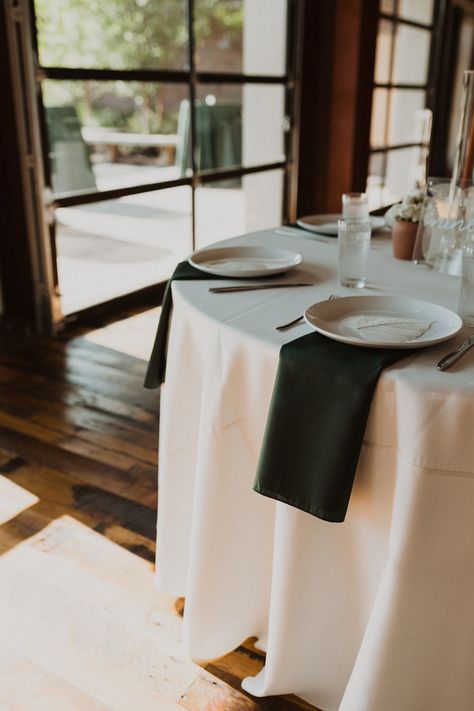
x: 255, y: 287
x: 446, y: 362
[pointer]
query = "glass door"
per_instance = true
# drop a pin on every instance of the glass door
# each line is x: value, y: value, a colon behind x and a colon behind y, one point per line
x: 166, y: 125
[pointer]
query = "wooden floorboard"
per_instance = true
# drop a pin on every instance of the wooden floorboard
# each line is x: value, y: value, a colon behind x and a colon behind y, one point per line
x: 79, y: 440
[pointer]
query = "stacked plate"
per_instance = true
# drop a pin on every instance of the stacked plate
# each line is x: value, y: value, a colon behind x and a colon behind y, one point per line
x: 327, y: 224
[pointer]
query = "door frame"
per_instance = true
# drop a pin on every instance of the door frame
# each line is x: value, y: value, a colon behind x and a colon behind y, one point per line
x: 30, y: 299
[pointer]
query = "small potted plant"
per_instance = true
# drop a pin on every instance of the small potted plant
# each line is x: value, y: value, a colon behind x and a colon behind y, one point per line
x: 407, y: 216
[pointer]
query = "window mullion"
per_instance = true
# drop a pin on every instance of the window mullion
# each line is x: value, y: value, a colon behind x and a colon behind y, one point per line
x: 192, y: 115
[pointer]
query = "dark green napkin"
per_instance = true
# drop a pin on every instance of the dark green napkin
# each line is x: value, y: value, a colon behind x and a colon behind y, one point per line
x: 315, y: 428
x: 155, y: 373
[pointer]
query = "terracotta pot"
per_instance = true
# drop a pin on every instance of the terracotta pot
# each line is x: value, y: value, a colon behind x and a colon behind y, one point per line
x: 403, y: 238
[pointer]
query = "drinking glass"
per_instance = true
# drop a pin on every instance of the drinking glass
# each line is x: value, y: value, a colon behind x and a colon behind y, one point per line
x: 354, y: 245
x: 355, y: 206
x: 466, y: 295
x: 446, y: 224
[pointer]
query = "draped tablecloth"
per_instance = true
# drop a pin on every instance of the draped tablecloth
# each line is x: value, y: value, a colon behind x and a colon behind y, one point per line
x: 373, y: 614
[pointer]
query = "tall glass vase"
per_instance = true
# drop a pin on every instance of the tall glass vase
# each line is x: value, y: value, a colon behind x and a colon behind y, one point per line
x: 451, y: 220
x: 464, y: 161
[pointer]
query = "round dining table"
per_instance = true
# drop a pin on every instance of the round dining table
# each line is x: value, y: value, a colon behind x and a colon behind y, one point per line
x: 372, y: 614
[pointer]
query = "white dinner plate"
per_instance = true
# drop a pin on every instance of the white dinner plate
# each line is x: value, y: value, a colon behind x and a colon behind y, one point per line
x: 241, y: 262
x: 383, y: 321
x: 327, y: 224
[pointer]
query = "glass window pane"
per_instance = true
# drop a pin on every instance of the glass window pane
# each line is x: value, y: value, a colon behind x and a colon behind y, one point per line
x: 378, y: 123
x: 106, y: 135
x: 393, y: 174
x: 404, y: 126
x: 383, y: 53
x: 418, y: 10
x: 242, y: 37
x: 375, y: 181
x: 110, y: 248
x: 239, y: 125
x: 222, y: 211
x: 387, y: 6
x: 117, y: 34
x: 400, y: 179
x: 412, y: 50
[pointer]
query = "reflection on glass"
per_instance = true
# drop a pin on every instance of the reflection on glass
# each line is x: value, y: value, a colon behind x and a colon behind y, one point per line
x: 379, y: 117
x: 113, y: 34
x: 239, y: 125
x: 223, y: 211
x: 412, y: 50
x: 241, y: 37
x: 404, y: 126
x: 384, y: 48
x: 110, y: 248
x: 106, y: 135
x: 417, y: 10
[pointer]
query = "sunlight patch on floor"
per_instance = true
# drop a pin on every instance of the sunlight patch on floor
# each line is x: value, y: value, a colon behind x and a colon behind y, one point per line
x: 14, y: 499
x: 133, y: 336
x: 85, y: 613
x: 26, y: 686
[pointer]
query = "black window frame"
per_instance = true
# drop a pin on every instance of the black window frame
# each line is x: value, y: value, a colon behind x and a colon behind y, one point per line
x: 192, y: 78
x: 429, y: 87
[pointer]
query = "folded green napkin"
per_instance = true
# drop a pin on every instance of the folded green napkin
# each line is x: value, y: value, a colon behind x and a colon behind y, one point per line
x: 315, y: 428
x: 155, y: 373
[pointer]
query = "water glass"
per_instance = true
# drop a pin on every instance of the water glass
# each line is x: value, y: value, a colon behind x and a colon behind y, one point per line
x: 355, y: 206
x: 466, y: 296
x: 354, y: 245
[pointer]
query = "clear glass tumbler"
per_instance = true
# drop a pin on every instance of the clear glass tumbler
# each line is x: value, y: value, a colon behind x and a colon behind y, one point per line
x: 355, y: 206
x: 466, y: 295
x: 354, y: 245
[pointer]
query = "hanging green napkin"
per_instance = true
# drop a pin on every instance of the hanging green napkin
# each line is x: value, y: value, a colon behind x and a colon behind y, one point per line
x: 315, y: 428
x: 155, y: 373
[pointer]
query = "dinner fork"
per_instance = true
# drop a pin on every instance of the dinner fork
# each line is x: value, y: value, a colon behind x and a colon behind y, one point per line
x: 289, y: 324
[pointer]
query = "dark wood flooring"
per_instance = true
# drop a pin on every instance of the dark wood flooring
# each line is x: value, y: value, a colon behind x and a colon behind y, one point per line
x: 78, y: 430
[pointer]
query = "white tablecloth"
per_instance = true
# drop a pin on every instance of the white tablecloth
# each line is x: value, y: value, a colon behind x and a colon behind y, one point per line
x: 374, y: 614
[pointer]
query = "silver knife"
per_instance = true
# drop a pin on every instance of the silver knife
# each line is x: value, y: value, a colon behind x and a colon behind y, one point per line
x: 253, y: 287
x: 451, y: 358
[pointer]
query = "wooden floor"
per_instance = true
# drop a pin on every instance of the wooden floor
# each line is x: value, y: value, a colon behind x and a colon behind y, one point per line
x: 82, y: 625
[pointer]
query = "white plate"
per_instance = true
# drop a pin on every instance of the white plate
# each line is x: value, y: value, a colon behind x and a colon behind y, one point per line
x: 241, y: 262
x: 352, y: 319
x: 327, y: 224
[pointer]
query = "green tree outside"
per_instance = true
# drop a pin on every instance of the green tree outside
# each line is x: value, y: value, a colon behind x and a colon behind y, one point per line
x: 128, y: 34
